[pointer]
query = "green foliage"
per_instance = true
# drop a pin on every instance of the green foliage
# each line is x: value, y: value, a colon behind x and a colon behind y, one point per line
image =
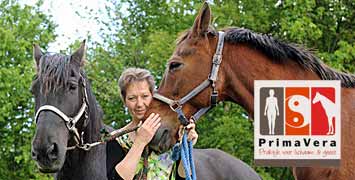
x: 143, y: 34
x: 146, y: 34
x: 19, y: 28
x: 142, y: 41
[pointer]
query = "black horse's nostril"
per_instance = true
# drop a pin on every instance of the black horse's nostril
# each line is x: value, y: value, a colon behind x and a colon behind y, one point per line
x: 34, y: 155
x: 52, y: 152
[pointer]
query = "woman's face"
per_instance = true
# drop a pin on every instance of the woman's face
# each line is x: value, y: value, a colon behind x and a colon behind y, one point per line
x: 138, y: 98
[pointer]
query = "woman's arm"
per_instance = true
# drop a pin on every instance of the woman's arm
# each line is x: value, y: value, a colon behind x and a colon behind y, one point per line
x: 127, y: 167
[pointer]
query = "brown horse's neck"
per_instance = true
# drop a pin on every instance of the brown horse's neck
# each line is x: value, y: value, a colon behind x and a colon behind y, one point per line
x: 242, y: 65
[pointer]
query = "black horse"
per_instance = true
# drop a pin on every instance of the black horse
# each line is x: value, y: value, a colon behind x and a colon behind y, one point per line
x: 68, y: 116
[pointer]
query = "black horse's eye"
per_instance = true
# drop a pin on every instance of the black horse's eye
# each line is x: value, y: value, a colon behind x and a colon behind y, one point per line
x: 72, y: 87
x: 175, y: 66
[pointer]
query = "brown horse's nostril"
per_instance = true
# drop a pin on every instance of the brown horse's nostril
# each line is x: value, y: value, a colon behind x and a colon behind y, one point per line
x: 165, y: 133
x: 52, y: 152
x: 165, y: 136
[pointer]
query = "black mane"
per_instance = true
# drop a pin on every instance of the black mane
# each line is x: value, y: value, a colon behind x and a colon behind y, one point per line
x: 280, y: 52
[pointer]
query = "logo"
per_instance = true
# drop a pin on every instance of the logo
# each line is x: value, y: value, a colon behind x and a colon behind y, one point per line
x: 297, y: 123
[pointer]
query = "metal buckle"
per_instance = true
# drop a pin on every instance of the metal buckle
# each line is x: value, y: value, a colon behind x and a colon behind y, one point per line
x: 70, y: 124
x: 217, y: 59
x: 86, y: 114
x: 175, y: 105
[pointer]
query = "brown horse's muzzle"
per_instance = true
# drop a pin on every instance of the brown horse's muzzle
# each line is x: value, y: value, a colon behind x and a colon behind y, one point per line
x: 166, y: 135
x: 161, y: 141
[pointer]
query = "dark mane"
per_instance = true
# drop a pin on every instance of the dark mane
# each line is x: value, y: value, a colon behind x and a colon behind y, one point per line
x: 54, y: 72
x: 95, y: 114
x: 280, y: 52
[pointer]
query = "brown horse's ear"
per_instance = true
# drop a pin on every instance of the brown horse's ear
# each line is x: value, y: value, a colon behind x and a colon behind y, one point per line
x: 202, y: 21
x: 78, y: 56
x: 37, y: 53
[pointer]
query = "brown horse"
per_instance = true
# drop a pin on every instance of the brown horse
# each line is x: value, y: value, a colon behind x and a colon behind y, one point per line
x: 247, y: 56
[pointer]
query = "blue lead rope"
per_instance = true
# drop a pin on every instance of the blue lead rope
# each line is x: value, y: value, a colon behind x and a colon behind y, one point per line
x: 185, y: 149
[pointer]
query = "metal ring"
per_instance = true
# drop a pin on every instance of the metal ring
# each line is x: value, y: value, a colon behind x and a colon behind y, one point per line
x: 70, y: 123
x: 86, y: 147
x: 175, y: 105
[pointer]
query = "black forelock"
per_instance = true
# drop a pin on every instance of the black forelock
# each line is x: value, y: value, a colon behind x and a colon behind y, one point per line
x: 54, y: 72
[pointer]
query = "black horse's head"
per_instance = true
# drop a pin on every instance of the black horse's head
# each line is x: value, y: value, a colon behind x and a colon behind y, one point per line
x: 60, y: 95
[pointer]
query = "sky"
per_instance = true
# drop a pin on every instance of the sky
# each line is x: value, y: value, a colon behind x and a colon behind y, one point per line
x: 72, y: 26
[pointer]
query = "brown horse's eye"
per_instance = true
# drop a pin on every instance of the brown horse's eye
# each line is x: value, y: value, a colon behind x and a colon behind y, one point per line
x: 175, y: 66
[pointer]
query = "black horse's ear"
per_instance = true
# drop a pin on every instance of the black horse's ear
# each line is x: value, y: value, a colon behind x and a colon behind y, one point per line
x: 202, y: 21
x: 37, y: 53
x: 78, y: 56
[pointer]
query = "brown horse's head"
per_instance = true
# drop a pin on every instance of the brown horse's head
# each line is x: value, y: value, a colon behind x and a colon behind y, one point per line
x: 246, y: 56
x: 189, y: 65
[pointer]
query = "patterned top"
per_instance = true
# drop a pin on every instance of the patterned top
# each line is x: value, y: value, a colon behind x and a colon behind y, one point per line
x: 160, y: 167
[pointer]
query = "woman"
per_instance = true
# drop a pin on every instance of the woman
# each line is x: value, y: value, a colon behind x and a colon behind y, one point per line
x: 124, y: 155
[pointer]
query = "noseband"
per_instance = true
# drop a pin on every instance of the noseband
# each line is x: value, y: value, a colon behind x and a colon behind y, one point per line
x: 70, y: 122
x: 176, y: 105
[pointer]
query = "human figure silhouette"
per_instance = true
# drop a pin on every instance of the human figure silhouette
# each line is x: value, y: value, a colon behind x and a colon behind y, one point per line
x: 271, y: 111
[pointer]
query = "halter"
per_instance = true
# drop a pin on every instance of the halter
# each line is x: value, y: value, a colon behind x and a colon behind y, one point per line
x: 176, y: 105
x: 70, y: 122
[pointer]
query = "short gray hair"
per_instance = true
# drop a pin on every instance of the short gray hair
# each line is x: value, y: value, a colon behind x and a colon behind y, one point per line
x: 131, y: 75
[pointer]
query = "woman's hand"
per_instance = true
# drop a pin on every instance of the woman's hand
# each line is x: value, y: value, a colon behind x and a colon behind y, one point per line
x: 191, y: 132
x: 127, y: 167
x: 146, y: 132
x: 191, y: 136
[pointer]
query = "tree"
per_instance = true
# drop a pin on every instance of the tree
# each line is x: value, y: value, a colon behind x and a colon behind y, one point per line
x: 145, y: 37
x: 143, y: 34
x: 20, y: 26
